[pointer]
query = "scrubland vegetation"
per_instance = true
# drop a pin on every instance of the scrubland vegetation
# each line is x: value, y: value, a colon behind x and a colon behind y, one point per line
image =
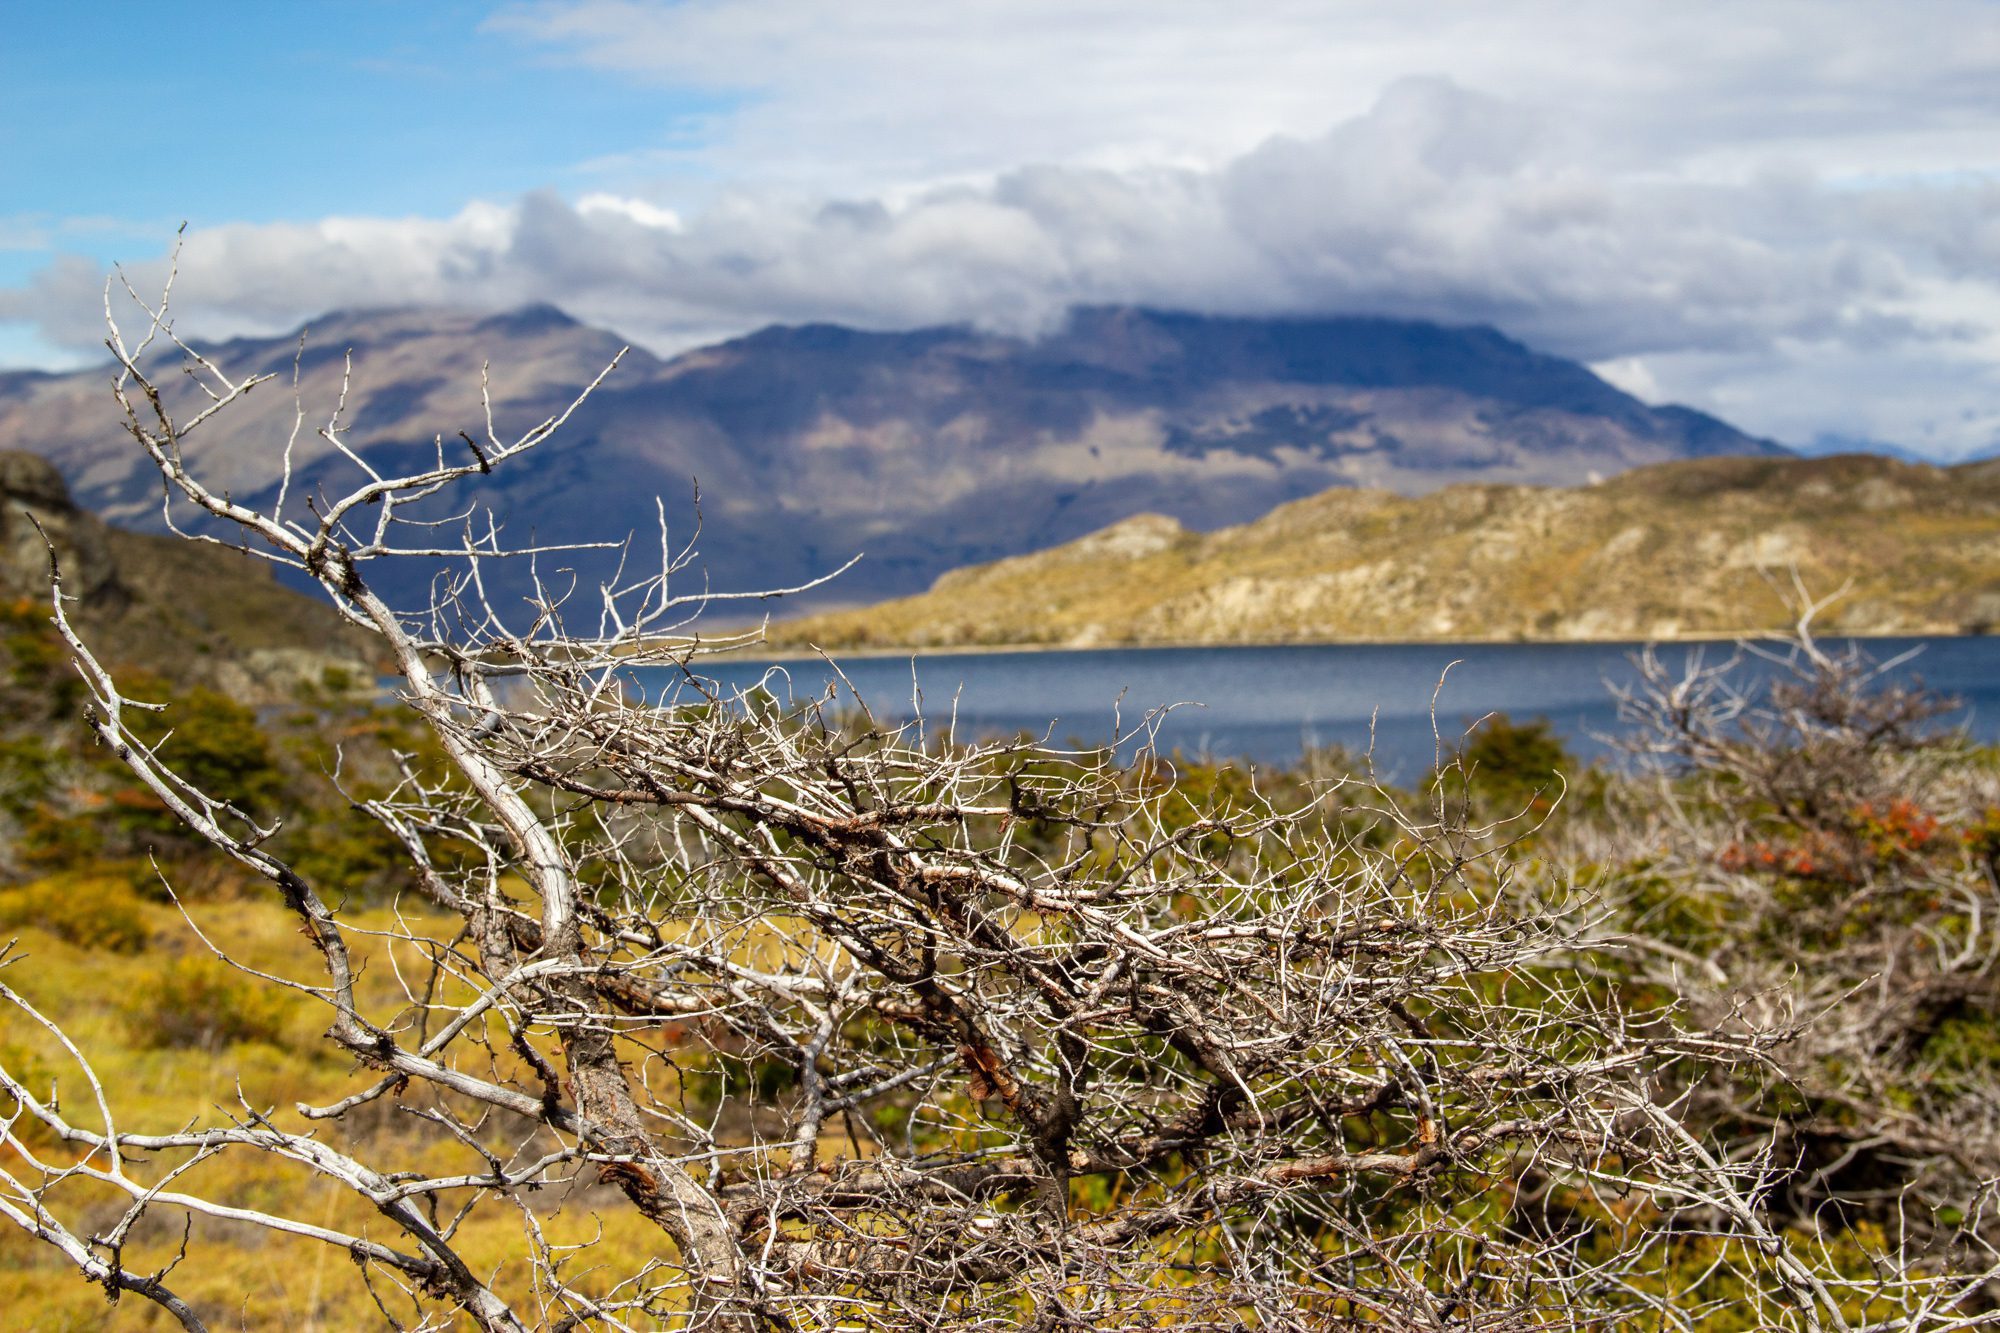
x: 1816, y: 870
x: 533, y: 1001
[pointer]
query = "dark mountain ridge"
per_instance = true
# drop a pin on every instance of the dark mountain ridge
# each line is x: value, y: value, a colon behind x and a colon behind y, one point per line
x: 926, y: 449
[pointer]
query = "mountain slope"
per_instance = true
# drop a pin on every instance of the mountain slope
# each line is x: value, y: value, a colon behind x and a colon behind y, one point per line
x: 926, y: 450
x: 1682, y: 549
x: 184, y: 610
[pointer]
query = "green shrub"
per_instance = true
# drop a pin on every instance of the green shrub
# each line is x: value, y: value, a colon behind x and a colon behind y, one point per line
x: 91, y: 911
x: 1511, y: 767
x: 349, y: 856
x: 217, y: 745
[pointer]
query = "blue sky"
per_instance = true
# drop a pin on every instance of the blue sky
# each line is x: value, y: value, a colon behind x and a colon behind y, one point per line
x: 1783, y: 211
x: 120, y: 120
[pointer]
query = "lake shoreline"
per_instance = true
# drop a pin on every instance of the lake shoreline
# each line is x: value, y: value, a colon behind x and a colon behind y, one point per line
x: 796, y: 653
x: 1403, y: 702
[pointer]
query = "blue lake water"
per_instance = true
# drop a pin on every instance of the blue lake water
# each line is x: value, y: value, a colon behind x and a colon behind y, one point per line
x: 1266, y: 704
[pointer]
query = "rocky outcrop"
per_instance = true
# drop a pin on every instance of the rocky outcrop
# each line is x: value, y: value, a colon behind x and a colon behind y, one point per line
x: 184, y: 611
x: 32, y: 492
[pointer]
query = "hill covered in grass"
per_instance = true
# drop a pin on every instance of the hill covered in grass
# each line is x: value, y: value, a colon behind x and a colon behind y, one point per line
x: 192, y: 612
x: 1687, y: 549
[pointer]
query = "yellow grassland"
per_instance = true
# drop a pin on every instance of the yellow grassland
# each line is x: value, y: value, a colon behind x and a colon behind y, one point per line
x: 1682, y: 550
x: 243, y: 1277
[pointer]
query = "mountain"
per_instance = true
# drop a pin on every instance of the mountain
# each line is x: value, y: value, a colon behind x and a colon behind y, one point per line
x: 1829, y: 442
x: 926, y: 450
x: 1677, y: 550
x: 184, y: 610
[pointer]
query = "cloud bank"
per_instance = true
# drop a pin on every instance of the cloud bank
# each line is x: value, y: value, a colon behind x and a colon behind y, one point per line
x: 1758, y: 218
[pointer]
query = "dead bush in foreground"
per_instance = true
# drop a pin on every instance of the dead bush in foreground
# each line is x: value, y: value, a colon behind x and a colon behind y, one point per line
x: 879, y: 1030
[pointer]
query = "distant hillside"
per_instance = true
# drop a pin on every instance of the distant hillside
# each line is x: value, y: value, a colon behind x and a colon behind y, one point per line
x: 185, y: 611
x: 924, y: 450
x: 1677, y: 550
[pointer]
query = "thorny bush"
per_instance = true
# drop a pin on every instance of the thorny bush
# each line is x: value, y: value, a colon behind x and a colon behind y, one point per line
x: 879, y: 1029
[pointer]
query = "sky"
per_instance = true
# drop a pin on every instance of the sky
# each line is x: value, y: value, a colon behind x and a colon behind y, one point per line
x: 1787, y: 214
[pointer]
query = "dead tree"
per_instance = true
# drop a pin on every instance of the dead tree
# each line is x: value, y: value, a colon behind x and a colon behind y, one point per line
x: 880, y: 1029
x: 1822, y: 839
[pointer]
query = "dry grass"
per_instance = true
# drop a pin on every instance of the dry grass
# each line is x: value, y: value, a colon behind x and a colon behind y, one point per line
x: 1680, y: 550
x: 116, y: 1003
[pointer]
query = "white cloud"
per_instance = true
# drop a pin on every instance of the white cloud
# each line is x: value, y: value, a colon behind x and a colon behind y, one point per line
x: 1783, y: 212
x: 858, y: 97
x: 1631, y: 374
x: 634, y: 210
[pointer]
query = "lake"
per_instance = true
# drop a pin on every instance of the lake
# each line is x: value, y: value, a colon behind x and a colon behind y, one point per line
x: 1268, y: 703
